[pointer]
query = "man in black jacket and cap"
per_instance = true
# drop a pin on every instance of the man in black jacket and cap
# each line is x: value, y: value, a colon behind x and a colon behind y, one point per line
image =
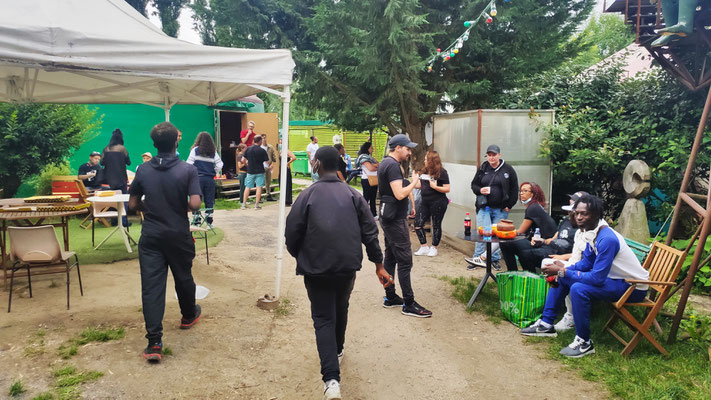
x: 324, y: 231
x: 495, y: 185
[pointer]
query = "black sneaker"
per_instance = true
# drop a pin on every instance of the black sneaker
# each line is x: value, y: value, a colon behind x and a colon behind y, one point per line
x: 496, y: 266
x: 538, y: 329
x: 392, y: 303
x: 416, y: 310
x: 187, y: 323
x: 154, y: 352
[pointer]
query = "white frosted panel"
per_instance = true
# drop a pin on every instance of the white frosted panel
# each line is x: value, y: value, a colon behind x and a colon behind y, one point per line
x: 515, y: 132
x: 455, y: 138
x: 460, y: 179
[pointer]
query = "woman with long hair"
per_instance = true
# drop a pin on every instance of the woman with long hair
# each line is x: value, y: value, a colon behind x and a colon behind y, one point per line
x: 434, y: 186
x: 536, y: 217
x: 115, y: 158
x: 208, y: 163
x: 369, y: 167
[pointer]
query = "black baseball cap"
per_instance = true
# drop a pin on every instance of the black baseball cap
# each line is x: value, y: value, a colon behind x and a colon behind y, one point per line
x: 575, y: 197
x: 94, y: 153
x: 401, y: 140
x: 493, y: 149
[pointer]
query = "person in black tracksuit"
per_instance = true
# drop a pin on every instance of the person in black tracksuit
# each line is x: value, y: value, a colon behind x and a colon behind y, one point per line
x: 434, y: 186
x: 324, y: 231
x: 167, y: 183
x: 394, y: 198
x: 496, y: 184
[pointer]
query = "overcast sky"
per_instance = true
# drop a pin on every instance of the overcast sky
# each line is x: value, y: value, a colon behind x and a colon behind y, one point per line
x: 188, y: 34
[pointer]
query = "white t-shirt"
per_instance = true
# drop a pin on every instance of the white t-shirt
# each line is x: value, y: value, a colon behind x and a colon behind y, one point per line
x: 311, y: 148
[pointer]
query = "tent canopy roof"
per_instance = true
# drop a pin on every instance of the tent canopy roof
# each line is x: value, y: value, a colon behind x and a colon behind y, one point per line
x: 104, y: 51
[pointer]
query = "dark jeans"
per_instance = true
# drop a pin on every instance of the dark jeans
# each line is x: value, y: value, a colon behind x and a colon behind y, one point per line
x: 288, y: 193
x: 531, y: 257
x: 398, y: 251
x: 513, y: 248
x: 242, y: 178
x: 329, y: 310
x: 370, y: 193
x: 435, y: 210
x: 207, y: 186
x: 155, y: 255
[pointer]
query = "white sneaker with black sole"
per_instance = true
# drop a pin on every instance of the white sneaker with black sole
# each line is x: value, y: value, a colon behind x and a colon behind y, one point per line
x: 478, y: 261
x: 566, y: 323
x: 332, y: 390
x: 539, y: 328
x: 579, y: 348
x: 432, y: 252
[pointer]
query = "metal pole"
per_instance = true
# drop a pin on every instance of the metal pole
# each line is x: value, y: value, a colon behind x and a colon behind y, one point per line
x: 286, y: 99
x: 690, y: 167
x: 167, y: 114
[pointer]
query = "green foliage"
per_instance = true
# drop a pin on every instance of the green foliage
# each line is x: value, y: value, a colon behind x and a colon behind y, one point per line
x: 35, y: 135
x: 44, y: 396
x: 363, y: 62
x: 67, y: 382
x: 139, y: 5
x: 17, y: 388
x: 167, y: 351
x: 699, y: 329
x: 702, y: 278
x: 169, y: 11
x: 487, y: 302
x: 603, y: 122
x: 43, y: 181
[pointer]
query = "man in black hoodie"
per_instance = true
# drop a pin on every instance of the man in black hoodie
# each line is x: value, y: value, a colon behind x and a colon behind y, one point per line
x: 167, y: 183
x: 496, y: 182
x: 324, y: 231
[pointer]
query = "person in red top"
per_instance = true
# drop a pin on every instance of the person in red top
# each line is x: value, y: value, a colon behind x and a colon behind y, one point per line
x: 247, y: 135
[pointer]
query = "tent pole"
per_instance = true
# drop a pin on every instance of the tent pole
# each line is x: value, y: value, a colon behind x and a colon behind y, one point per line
x: 286, y: 99
x: 167, y: 114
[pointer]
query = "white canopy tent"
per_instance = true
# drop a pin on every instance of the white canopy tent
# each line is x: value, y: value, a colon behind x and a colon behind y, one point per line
x: 104, y: 51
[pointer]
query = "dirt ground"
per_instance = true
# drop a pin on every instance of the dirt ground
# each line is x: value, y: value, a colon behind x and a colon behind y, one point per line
x: 238, y: 351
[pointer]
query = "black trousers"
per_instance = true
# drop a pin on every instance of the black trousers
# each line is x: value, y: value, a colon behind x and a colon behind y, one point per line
x: 370, y: 193
x: 155, y: 256
x: 288, y: 185
x: 207, y: 186
x: 398, y: 251
x: 526, y: 253
x: 329, y: 298
x: 435, y: 210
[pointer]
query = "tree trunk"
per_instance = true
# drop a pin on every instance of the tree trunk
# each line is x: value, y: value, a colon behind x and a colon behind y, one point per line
x: 417, y: 134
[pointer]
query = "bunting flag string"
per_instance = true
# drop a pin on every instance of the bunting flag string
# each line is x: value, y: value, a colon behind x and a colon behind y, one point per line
x: 453, y: 49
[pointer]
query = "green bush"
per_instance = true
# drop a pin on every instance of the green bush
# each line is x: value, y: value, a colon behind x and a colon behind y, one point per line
x: 603, y: 122
x: 43, y: 181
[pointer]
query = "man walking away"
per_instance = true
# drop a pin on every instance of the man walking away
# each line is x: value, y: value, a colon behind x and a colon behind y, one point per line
x: 324, y: 232
x: 394, y: 197
x: 256, y: 159
x: 167, y: 183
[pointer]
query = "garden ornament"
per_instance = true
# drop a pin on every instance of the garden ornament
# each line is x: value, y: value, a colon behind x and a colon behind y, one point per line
x: 633, y: 223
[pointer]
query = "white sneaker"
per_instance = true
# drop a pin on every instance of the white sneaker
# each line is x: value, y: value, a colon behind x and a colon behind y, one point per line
x: 566, y: 323
x: 478, y: 261
x: 340, y: 357
x: 332, y: 390
x: 423, y: 251
x: 432, y: 252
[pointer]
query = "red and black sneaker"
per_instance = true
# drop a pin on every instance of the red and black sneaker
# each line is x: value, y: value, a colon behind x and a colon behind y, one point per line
x: 154, y: 352
x: 188, y: 323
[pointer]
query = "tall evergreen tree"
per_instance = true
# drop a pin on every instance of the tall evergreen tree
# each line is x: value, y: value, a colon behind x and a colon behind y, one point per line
x: 169, y: 11
x: 139, y: 5
x: 364, y: 61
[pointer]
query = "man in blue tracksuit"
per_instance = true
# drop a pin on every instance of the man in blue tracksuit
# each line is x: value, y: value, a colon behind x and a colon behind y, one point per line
x: 600, y: 275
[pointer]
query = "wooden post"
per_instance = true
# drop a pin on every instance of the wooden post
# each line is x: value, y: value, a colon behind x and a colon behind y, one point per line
x: 639, y: 16
x: 689, y: 282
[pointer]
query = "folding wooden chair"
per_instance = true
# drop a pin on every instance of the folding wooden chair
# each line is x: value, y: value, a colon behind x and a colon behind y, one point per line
x: 663, y: 264
x: 37, y: 248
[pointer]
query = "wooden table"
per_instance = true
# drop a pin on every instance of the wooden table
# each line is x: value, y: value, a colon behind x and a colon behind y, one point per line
x: 115, y: 201
x: 31, y: 218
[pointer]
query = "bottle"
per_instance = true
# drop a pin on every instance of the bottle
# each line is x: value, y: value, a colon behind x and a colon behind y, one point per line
x: 486, y: 226
x: 467, y: 225
x: 537, y: 236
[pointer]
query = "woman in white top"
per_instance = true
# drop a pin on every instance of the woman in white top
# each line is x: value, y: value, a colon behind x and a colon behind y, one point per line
x: 368, y: 166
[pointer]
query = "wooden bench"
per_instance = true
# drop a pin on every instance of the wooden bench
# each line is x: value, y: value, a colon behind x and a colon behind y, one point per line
x: 640, y: 250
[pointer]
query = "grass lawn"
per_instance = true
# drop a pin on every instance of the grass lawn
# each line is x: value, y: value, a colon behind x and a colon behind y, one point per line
x: 114, y: 248
x: 645, y: 374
